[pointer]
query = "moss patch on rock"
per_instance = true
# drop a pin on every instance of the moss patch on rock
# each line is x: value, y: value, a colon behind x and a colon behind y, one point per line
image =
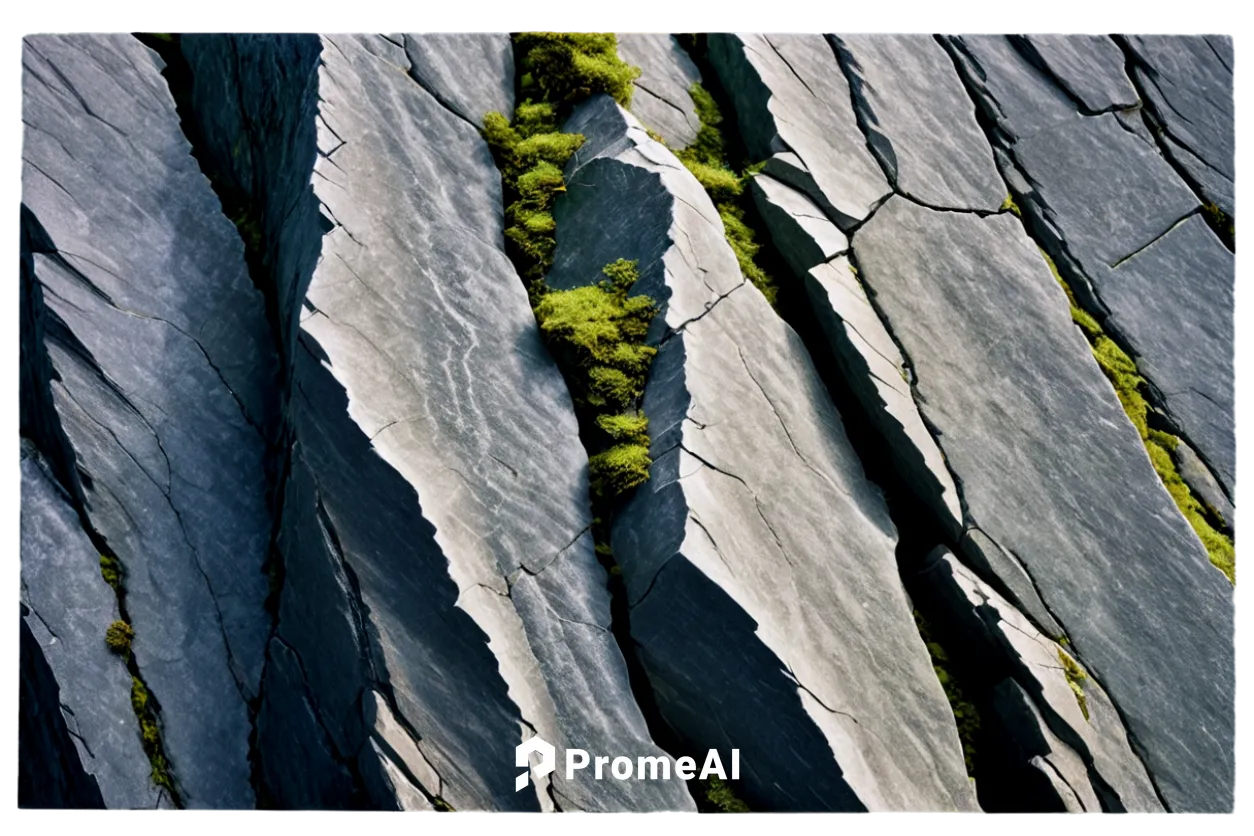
x: 118, y: 637
x: 1076, y: 678
x: 1120, y: 369
x: 965, y: 714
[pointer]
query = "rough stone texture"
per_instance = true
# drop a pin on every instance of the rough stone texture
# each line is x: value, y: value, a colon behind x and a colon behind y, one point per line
x: 869, y: 359
x: 50, y: 772
x: 791, y: 97
x: 70, y: 608
x: 1173, y: 304
x: 1187, y: 84
x: 1203, y: 483
x: 1088, y: 67
x: 1010, y: 642
x: 471, y: 74
x: 436, y: 516
x: 1021, y: 99
x: 758, y: 560
x: 919, y: 121
x: 162, y: 361
x: 1052, y: 470
x: 661, y: 100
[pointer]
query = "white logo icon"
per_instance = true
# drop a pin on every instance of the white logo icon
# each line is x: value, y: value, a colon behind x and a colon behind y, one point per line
x: 548, y: 759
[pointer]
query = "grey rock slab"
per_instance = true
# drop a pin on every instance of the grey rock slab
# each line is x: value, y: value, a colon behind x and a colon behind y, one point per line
x: 424, y: 323
x: 1059, y: 766
x: 1053, y: 471
x: 1019, y: 98
x: 1095, y: 741
x: 919, y: 121
x: 469, y: 73
x: 790, y: 95
x: 70, y: 608
x: 870, y: 361
x: 1203, y: 483
x: 1172, y: 303
x: 165, y: 372
x: 661, y: 99
x: 1187, y: 83
x: 758, y: 560
x: 1089, y: 67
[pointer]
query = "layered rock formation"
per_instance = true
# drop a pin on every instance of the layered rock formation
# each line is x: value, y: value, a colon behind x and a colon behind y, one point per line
x: 288, y: 418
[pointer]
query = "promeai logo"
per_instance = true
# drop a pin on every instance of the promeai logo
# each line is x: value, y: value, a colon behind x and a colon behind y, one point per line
x: 621, y: 768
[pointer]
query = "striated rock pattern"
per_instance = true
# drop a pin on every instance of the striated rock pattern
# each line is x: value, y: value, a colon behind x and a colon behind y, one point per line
x: 292, y: 437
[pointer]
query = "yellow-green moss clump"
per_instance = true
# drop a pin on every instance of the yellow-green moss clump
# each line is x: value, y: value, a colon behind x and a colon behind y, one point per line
x: 1009, y: 205
x: 706, y: 158
x: 1075, y: 678
x: 111, y: 571
x: 151, y: 734
x: 965, y: 714
x: 1121, y: 370
x: 720, y: 795
x: 118, y: 637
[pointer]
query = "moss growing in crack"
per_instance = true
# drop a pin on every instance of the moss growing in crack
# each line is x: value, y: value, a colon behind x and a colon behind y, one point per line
x: 118, y: 637
x: 1009, y: 205
x: 722, y: 798
x: 1121, y: 371
x: 142, y: 704
x: 1075, y: 678
x: 564, y: 68
x: 965, y: 714
x: 1222, y: 224
x: 111, y: 571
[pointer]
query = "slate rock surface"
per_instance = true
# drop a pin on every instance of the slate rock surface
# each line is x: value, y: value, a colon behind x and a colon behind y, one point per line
x: 919, y: 121
x: 661, y: 99
x: 750, y: 620
x: 791, y: 97
x: 1089, y: 67
x: 69, y: 608
x: 471, y: 74
x: 1029, y: 424
x: 162, y: 364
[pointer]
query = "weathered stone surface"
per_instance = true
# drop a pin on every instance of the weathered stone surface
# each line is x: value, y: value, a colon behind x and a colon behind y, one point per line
x: 437, y: 511
x: 1020, y: 98
x: 1173, y: 304
x: 758, y: 560
x: 791, y: 96
x: 1203, y: 483
x: 1187, y: 83
x: 919, y: 121
x: 163, y: 364
x: 1011, y: 645
x: 1052, y: 470
x: 471, y: 74
x: 1089, y: 67
x: 70, y: 607
x: 661, y: 100
x: 870, y: 361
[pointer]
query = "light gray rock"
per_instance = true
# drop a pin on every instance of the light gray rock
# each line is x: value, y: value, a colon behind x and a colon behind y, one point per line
x: 1084, y: 741
x: 1187, y: 84
x: 164, y: 366
x: 790, y: 96
x: 919, y: 121
x: 1173, y: 304
x: 1020, y: 99
x: 758, y: 560
x: 471, y: 74
x: 869, y: 359
x: 661, y: 99
x: 1203, y: 483
x: 1089, y: 67
x: 1052, y: 471
x: 70, y: 609
x: 436, y: 514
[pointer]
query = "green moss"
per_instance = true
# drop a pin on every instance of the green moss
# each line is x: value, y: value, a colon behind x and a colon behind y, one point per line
x: 442, y: 806
x: 720, y: 794
x: 150, y: 734
x: 1120, y: 369
x: 111, y: 571
x: 1009, y: 205
x: 1222, y: 224
x: 565, y: 68
x: 1075, y: 678
x: 118, y: 637
x: 625, y: 428
x: 966, y: 716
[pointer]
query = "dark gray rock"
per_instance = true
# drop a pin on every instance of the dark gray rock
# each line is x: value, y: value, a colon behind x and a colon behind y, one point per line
x: 1187, y: 84
x: 661, y: 100
x: 919, y: 121
x: 1203, y: 483
x: 758, y: 560
x: 164, y: 366
x: 70, y: 607
x: 1019, y: 98
x: 1089, y: 67
x: 790, y: 96
x: 471, y: 74
x: 869, y: 359
x: 1052, y: 471
x: 1173, y: 304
